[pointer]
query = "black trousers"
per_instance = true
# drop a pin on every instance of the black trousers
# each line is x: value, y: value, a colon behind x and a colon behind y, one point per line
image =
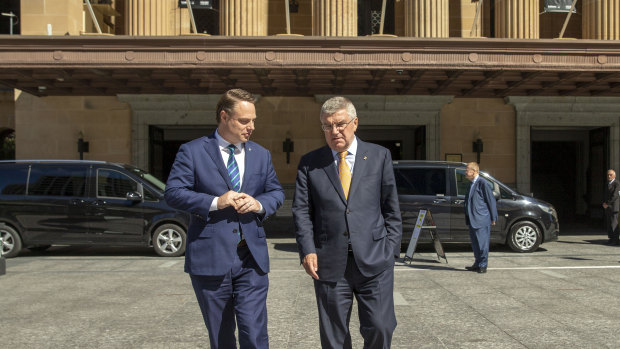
x: 611, y: 218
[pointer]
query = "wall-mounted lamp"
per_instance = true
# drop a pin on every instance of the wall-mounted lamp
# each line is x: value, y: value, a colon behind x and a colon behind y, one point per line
x: 82, y: 147
x: 11, y: 15
x: 477, y: 148
x: 288, y: 147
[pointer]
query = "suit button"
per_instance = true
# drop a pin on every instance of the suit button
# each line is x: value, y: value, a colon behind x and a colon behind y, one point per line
x: 348, y: 211
x: 346, y: 233
x: 235, y: 231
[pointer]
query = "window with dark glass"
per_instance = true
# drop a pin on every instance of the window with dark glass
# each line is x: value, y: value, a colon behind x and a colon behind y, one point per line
x: 13, y: 180
x: 53, y: 180
x: 420, y: 181
x: 369, y: 17
x: 114, y: 184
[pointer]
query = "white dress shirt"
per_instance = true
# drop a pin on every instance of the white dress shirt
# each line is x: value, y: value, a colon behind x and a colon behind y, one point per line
x: 239, y: 158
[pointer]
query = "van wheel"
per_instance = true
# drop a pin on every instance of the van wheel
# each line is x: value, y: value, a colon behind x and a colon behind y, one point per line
x: 524, y: 237
x: 169, y: 240
x: 10, y: 242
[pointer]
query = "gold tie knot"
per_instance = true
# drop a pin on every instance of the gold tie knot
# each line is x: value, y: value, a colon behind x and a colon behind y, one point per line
x: 344, y: 173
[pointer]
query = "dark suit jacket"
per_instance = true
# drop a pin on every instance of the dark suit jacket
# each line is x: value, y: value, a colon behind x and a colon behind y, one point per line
x: 197, y: 176
x: 611, y: 196
x: 480, y: 206
x: 324, y: 219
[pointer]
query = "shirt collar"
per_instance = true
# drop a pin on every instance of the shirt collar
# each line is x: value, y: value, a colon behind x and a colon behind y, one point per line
x: 223, y: 144
x: 352, y: 149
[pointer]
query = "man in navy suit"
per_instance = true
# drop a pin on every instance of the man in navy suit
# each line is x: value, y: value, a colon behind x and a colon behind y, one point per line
x: 229, y: 187
x: 480, y: 215
x: 612, y: 206
x: 348, y: 228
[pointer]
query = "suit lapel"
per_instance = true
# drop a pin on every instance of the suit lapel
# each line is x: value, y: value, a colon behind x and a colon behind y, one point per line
x: 359, y: 168
x: 329, y: 166
x: 213, y: 150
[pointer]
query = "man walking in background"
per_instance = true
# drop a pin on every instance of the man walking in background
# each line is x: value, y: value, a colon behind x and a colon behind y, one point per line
x: 228, y: 185
x: 480, y: 215
x: 612, y: 206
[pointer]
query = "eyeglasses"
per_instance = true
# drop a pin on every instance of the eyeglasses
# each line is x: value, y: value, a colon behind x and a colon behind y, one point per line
x: 339, y: 126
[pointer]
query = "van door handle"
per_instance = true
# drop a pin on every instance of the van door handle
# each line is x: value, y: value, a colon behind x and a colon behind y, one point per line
x: 437, y: 201
x: 459, y: 201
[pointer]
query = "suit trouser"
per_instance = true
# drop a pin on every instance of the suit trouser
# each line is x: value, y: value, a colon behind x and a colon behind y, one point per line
x: 612, y: 225
x: 375, y: 299
x: 241, y: 294
x: 480, y: 240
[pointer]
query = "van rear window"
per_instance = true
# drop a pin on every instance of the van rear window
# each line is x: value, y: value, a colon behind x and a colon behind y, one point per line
x: 420, y: 181
x: 13, y: 180
x: 57, y: 181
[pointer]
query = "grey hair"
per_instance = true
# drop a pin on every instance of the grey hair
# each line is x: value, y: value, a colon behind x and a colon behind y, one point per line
x: 335, y: 104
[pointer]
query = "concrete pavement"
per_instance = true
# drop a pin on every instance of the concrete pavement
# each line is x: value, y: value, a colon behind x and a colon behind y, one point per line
x: 567, y: 294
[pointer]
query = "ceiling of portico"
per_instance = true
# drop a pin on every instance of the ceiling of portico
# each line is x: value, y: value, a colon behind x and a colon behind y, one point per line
x: 307, y: 66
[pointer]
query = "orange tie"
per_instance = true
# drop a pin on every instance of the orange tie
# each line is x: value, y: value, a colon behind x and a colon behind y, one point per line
x: 344, y: 173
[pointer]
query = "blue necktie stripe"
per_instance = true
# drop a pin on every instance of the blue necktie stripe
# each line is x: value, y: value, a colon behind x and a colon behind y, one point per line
x: 233, y: 169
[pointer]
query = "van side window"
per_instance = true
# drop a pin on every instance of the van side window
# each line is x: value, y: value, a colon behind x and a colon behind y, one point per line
x: 13, y: 180
x: 114, y: 184
x: 420, y: 181
x: 462, y: 183
x: 56, y: 180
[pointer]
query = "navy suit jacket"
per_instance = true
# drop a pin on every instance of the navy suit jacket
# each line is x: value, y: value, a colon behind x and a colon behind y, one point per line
x: 198, y: 175
x: 480, y: 206
x: 324, y: 219
x: 611, y: 196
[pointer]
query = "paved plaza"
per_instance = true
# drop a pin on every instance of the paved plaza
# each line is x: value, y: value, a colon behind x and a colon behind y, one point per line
x: 565, y: 295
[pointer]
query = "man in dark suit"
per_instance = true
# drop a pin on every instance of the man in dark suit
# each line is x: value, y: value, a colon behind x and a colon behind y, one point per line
x: 612, y: 206
x: 480, y: 215
x: 348, y: 229
x: 229, y: 187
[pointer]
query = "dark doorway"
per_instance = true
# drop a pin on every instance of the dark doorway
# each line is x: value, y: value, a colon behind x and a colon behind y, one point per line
x: 164, y: 143
x: 404, y: 142
x: 369, y: 17
x: 554, y: 176
x: 568, y: 167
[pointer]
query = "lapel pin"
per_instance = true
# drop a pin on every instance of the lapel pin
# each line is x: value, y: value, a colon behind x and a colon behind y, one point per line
x: 365, y: 157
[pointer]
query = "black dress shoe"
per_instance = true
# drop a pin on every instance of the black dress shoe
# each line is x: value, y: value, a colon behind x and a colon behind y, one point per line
x: 473, y: 268
x: 482, y: 270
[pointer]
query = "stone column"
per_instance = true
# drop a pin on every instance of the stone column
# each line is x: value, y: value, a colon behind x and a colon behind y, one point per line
x: 427, y: 18
x: 601, y: 19
x: 516, y: 19
x: 147, y: 17
x: 243, y: 17
x: 334, y: 17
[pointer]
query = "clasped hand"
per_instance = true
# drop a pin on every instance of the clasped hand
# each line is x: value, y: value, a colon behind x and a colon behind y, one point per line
x: 241, y: 202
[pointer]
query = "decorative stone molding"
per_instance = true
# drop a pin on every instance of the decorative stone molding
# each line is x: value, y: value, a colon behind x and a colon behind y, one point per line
x: 562, y: 111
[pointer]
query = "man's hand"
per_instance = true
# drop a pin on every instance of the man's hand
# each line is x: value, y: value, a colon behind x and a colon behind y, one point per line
x: 493, y: 223
x: 311, y: 265
x: 245, y: 203
x: 228, y: 199
x: 605, y: 205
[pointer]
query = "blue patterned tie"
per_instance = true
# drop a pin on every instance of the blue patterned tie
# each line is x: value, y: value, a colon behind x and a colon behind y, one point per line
x: 233, y: 169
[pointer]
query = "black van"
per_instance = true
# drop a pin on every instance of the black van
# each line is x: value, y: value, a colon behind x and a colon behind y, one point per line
x: 58, y: 202
x: 523, y: 221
